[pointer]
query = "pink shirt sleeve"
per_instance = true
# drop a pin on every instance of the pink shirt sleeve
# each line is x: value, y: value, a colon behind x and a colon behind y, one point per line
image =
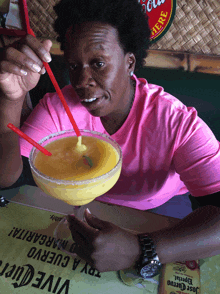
x: 197, y: 157
x: 41, y: 122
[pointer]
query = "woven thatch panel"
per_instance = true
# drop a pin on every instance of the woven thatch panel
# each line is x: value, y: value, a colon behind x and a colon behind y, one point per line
x: 195, y: 29
x: 42, y: 17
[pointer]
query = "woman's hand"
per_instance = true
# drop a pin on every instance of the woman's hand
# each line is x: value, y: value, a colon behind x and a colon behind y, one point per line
x: 20, y: 57
x: 104, y: 245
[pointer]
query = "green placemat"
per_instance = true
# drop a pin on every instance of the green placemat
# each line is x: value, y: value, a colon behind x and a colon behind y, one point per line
x: 31, y: 262
x: 210, y: 275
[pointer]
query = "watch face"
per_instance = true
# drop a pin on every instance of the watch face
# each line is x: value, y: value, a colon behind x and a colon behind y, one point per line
x: 149, y: 271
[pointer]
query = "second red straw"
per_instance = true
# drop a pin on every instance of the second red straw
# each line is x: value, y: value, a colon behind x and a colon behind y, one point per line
x: 27, y: 138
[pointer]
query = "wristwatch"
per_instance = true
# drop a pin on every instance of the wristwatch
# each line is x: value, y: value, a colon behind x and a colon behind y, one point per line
x: 149, y: 265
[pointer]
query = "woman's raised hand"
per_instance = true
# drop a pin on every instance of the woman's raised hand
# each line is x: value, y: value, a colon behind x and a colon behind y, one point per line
x: 21, y: 65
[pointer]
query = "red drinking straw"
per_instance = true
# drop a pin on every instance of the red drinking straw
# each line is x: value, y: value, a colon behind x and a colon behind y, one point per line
x: 51, y: 75
x: 27, y: 138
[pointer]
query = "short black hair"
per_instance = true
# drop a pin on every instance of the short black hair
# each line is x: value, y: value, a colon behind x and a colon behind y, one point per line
x: 127, y: 16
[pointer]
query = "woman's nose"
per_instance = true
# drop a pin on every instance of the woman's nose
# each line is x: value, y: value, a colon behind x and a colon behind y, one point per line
x: 84, y: 79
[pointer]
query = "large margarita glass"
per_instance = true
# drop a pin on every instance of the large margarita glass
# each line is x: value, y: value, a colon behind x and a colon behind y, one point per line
x: 84, y: 188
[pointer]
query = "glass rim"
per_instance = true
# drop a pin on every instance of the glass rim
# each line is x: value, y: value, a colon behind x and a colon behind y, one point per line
x: 73, y: 182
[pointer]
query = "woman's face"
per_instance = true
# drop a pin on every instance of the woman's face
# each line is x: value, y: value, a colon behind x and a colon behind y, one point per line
x: 99, y: 70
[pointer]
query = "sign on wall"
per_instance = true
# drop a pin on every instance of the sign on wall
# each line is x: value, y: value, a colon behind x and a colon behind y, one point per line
x: 160, y: 15
x: 12, y: 18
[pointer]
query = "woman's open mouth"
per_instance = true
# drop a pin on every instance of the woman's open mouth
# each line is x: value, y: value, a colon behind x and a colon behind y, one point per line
x: 89, y: 100
x: 93, y: 102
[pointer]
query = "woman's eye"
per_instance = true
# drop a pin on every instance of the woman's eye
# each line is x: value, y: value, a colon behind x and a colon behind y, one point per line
x: 73, y: 66
x: 99, y: 64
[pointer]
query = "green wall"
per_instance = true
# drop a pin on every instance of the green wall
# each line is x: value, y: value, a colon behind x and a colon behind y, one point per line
x: 199, y: 90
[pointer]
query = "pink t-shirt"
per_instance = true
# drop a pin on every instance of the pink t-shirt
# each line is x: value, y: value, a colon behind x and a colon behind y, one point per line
x: 167, y: 149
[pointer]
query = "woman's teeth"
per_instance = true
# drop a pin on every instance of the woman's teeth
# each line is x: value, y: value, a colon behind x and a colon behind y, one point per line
x: 89, y: 100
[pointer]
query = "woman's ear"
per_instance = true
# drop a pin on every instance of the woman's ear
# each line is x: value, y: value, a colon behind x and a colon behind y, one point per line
x: 131, y: 61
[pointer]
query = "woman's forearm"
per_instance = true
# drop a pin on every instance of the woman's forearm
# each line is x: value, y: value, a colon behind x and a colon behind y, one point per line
x: 194, y: 237
x: 10, y: 160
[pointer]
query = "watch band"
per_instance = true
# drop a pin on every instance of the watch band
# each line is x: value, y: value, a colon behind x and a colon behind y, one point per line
x: 149, y: 258
x: 147, y: 247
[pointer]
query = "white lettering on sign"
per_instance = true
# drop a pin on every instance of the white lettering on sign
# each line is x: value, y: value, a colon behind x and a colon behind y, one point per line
x: 151, y: 4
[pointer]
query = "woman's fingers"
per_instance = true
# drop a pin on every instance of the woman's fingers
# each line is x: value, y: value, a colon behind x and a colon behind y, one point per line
x: 40, y: 49
x: 19, y: 61
x: 25, y: 55
x: 11, y: 68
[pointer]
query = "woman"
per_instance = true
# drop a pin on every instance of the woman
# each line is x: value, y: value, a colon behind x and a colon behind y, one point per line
x: 167, y: 149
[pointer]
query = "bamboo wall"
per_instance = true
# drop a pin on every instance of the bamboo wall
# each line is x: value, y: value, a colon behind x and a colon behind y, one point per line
x: 192, y: 43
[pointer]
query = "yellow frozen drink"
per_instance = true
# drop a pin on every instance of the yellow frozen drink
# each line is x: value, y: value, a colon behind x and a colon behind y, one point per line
x: 77, y: 177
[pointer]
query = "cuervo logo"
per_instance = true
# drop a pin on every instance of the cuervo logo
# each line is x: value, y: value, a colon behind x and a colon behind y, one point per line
x: 27, y: 278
